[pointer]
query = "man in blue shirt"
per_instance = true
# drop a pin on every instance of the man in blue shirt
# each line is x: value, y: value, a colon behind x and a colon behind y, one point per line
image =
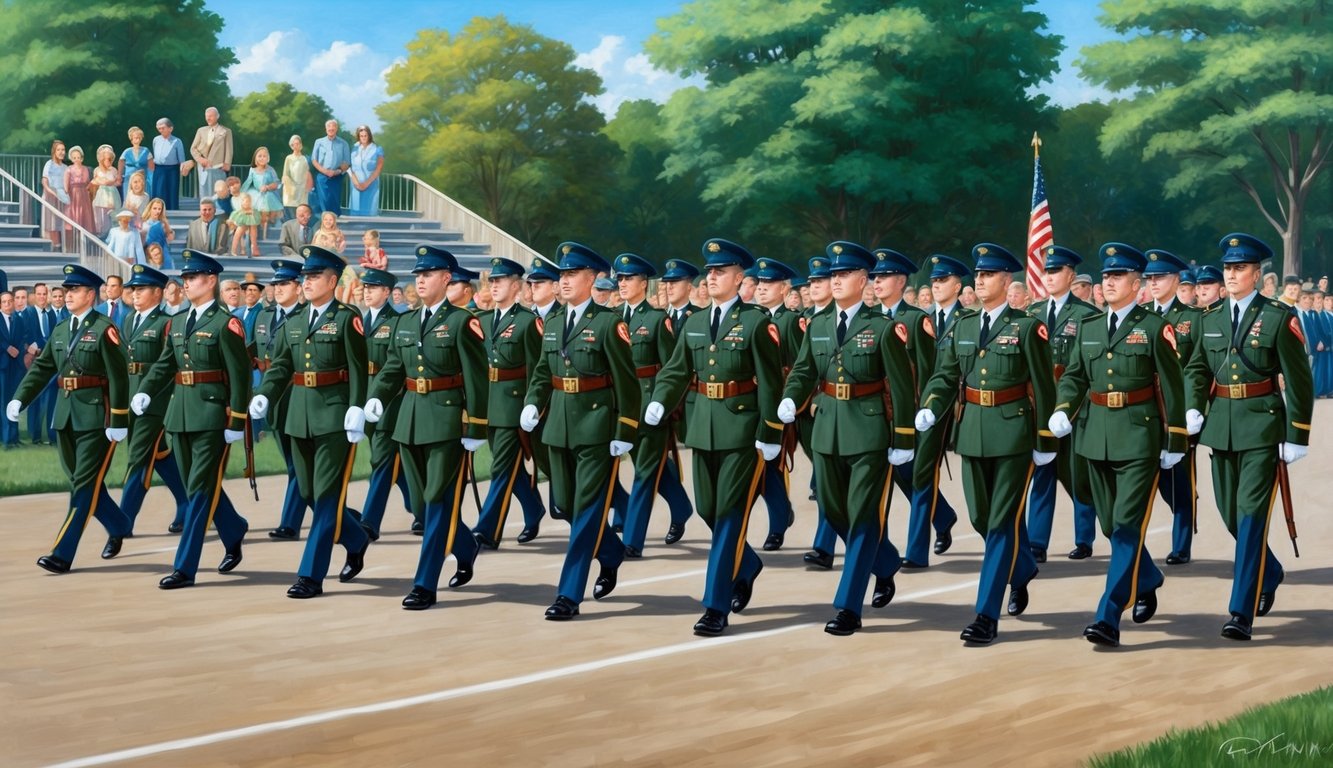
x: 168, y: 154
x: 331, y: 158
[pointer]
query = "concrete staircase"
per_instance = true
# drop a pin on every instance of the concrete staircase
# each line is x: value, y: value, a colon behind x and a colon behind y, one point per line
x: 25, y: 254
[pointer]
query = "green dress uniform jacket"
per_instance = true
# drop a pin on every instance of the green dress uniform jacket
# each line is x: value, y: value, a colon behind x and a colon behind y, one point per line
x: 334, y: 345
x: 379, y: 346
x: 93, y: 352
x: 264, y: 347
x: 1062, y: 334
x: 1184, y: 321
x: 143, y: 346
x: 217, y: 344
x: 512, y: 349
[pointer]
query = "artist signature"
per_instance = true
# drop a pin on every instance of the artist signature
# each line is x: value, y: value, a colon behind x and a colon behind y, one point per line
x: 1248, y: 746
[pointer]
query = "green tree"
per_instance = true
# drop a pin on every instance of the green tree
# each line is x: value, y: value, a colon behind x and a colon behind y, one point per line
x: 86, y: 70
x: 1242, y: 91
x: 502, y: 121
x: 906, y: 124
x: 270, y: 117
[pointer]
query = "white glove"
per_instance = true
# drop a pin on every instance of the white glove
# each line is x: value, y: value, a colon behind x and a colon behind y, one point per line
x: 787, y: 410
x: 899, y: 456
x: 1292, y: 453
x: 116, y: 434
x: 258, y: 406
x: 232, y: 435
x: 354, y: 420
x: 139, y: 403
x: 925, y: 419
x: 1042, y: 458
x: 1059, y: 424
x: 620, y: 447
x: 355, y: 435
x: 1193, y: 421
x: 374, y: 410
x: 12, y: 410
x: 652, y: 415
x: 471, y: 444
x: 769, y: 450
x: 1170, y: 459
x: 529, y: 418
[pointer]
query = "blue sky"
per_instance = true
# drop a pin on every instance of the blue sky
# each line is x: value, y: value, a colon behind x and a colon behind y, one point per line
x: 343, y: 50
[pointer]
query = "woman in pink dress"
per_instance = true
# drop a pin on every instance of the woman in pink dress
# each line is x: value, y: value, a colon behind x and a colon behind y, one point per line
x: 77, y: 178
x: 106, y: 200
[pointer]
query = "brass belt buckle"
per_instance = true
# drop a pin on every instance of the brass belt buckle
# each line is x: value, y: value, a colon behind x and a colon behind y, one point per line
x: 309, y: 379
x: 842, y: 391
x: 1115, y: 399
x: 715, y: 390
x: 987, y: 397
x: 423, y: 386
x: 570, y: 384
x: 69, y: 383
x: 493, y: 374
x: 187, y: 378
x: 1237, y: 391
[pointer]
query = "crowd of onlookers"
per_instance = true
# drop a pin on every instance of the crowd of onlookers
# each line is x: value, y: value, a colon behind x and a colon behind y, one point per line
x: 124, y: 199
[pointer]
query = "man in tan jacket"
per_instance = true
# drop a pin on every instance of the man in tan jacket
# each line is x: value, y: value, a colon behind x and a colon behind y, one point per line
x: 211, y: 150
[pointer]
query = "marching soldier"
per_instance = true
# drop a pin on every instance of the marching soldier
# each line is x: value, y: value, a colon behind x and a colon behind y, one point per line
x: 1207, y: 286
x: 679, y: 280
x: 321, y: 355
x: 821, y: 551
x: 656, y: 464
x: 286, y: 282
x: 584, y: 388
x: 206, y: 356
x: 854, y: 361
x: 773, y: 281
x: 145, y: 337
x: 1062, y: 312
x: 513, y: 342
x: 1125, y: 364
x: 436, y: 361
x: 543, y: 281
x: 1165, y: 274
x: 85, y: 354
x: 1253, y: 429
x: 991, y: 360
x: 1185, y: 292
x: 728, y: 354
x: 385, y: 463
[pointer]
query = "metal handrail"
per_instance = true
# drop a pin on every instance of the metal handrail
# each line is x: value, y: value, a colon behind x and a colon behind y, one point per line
x: 91, y: 250
x: 434, y: 204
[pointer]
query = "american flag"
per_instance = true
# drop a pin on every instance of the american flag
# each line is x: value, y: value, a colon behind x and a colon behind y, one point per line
x: 1039, y: 226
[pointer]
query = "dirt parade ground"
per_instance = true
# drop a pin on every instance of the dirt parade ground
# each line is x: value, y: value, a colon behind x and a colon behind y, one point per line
x: 102, y: 667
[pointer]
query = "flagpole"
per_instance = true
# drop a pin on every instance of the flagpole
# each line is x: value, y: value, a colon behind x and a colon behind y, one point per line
x: 1040, y: 233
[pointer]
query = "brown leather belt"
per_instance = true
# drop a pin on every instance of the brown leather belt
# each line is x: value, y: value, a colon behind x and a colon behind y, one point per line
x: 992, y: 397
x: 423, y: 385
x: 644, y: 371
x: 572, y: 385
x: 263, y: 365
x: 137, y: 368
x: 71, y: 383
x: 1122, y: 399
x: 190, y: 378
x: 851, y: 391
x: 315, y: 379
x: 371, y: 368
x: 1243, y: 391
x: 507, y: 374
x: 1059, y: 371
x: 721, y: 390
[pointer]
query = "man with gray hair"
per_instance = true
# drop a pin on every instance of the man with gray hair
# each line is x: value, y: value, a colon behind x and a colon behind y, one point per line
x: 331, y: 157
x: 168, y: 154
x: 207, y: 234
x: 212, y: 151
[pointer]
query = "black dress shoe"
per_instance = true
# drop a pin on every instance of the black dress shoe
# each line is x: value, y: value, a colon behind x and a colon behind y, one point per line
x: 1175, y: 558
x: 176, y: 580
x: 1102, y: 633
x: 484, y: 541
x: 1018, y: 597
x: 774, y: 541
x: 371, y: 533
x: 982, y: 631
x: 1266, y: 599
x: 112, y: 548
x: 675, y: 533
x: 633, y: 553
x: 605, y: 584
x: 461, y: 576
x: 1081, y: 552
x: 818, y: 558
x: 558, y: 514
x: 1039, y: 554
x: 529, y: 533
x: 53, y: 564
x: 943, y: 541
x: 843, y: 624
x: 563, y: 609
x: 884, y: 591
x: 355, y: 562
x: 231, y: 559
x: 175, y: 527
x: 912, y: 565
x: 284, y: 533
x: 305, y: 588
x: 711, y: 624
x: 1145, y: 607
x: 743, y: 591
x: 1238, y: 628
x: 418, y: 528
x: 419, y: 599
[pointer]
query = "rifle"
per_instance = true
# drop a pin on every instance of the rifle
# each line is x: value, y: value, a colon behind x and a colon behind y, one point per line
x: 472, y: 479
x: 1284, y: 487
x: 250, y: 458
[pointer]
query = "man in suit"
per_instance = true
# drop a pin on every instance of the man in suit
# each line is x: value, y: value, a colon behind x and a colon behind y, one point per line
x: 1125, y: 364
x: 42, y: 319
x: 728, y: 354
x: 321, y: 355
x: 91, y: 417
x: 773, y: 281
x: 114, y: 307
x: 252, y: 295
x: 999, y: 362
x: 584, y: 388
x: 212, y: 151
x: 436, y: 361
x: 206, y: 357
x: 854, y: 362
x: 296, y: 233
x: 208, y: 233
x: 1249, y: 341
x: 13, y: 342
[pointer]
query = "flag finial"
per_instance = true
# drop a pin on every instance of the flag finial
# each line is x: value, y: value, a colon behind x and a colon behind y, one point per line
x: 1036, y: 145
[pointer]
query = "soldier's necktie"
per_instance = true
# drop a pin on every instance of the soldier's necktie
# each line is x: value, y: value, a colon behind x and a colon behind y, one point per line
x: 1115, y: 319
x: 1235, y: 319
x: 1050, y: 316
x: 495, y: 322
x: 985, y: 328
x: 717, y: 320
x: 1161, y: 310
x: 189, y: 323
x: 279, y: 318
x: 425, y: 321
x: 135, y: 328
x: 939, y: 324
x: 74, y: 326
x: 842, y: 326
x: 314, y: 317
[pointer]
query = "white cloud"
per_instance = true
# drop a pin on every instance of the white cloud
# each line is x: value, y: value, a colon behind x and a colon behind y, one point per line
x: 598, y: 58
x: 628, y: 75
x: 350, y: 76
x: 336, y: 57
x: 263, y: 58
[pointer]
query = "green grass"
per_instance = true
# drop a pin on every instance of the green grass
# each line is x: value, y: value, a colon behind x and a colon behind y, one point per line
x: 1297, y: 732
x: 36, y: 468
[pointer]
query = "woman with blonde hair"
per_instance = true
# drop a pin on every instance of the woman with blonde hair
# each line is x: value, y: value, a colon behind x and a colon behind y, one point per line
x: 54, y: 192
x: 78, y: 178
x: 329, y: 235
x: 106, y: 200
x: 262, y: 184
x: 136, y: 159
x: 156, y: 228
x: 136, y: 199
x: 296, y: 179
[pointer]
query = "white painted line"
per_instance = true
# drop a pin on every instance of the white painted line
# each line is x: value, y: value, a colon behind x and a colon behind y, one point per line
x: 667, y: 577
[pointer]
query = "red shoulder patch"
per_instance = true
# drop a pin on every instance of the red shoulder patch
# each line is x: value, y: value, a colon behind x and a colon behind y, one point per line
x: 474, y: 326
x: 113, y: 334
x: 234, y: 325
x: 804, y: 322
x: 901, y: 330
x: 668, y: 326
x: 622, y: 331
x: 356, y: 323
x: 541, y: 326
x: 1296, y: 329
x: 773, y: 332
x: 1169, y: 334
x: 929, y: 326
x: 1042, y: 332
